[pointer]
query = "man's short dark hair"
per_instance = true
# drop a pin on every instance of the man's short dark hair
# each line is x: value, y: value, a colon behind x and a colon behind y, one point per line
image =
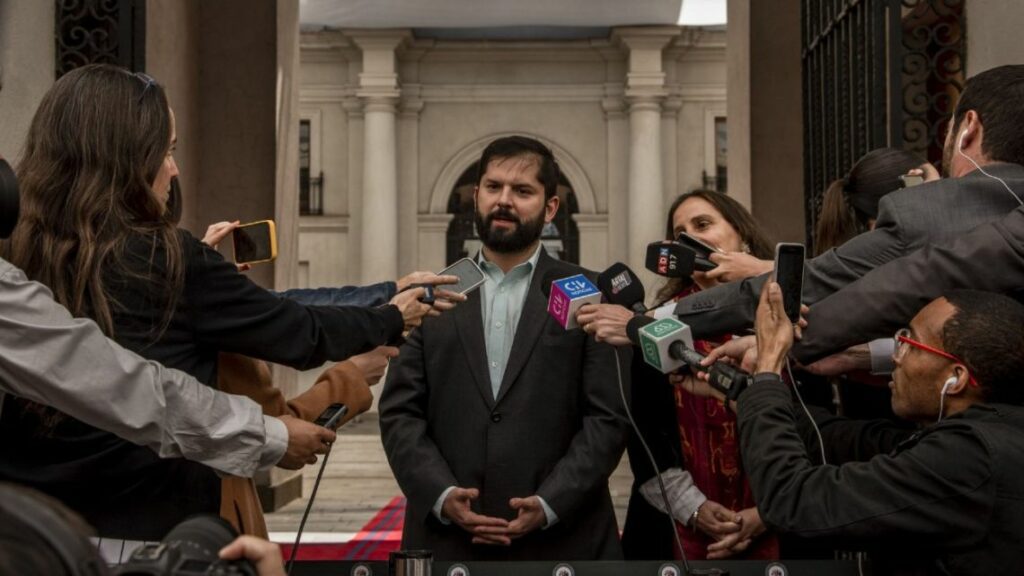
x: 516, y: 146
x: 987, y: 334
x: 997, y: 97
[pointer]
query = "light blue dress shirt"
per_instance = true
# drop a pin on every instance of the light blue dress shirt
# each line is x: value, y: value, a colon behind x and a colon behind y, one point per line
x: 502, y: 296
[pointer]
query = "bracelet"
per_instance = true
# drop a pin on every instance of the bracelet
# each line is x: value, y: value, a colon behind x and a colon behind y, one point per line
x: 693, y: 517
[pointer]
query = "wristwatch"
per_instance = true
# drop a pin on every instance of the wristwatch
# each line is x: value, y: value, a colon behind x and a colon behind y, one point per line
x: 693, y: 517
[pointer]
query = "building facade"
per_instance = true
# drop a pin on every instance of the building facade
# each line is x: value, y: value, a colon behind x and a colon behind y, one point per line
x: 395, y: 123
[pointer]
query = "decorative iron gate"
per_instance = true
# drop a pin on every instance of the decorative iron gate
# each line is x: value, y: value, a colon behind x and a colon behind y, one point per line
x: 100, y: 31
x: 876, y: 73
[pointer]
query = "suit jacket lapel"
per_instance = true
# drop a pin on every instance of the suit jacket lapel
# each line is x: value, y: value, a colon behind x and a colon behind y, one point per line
x: 531, y: 322
x: 469, y: 323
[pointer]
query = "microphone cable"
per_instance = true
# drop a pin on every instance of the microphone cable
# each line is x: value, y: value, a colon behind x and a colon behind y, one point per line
x: 817, y: 431
x: 654, y: 463
x: 309, y: 506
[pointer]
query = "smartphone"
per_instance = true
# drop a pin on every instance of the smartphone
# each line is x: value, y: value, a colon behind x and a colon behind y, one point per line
x: 255, y: 242
x: 331, y: 416
x: 469, y: 274
x: 911, y: 180
x: 702, y: 252
x: 702, y: 249
x: 789, y: 273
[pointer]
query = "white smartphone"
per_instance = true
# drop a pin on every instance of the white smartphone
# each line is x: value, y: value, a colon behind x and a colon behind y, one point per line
x: 789, y: 273
x: 469, y: 274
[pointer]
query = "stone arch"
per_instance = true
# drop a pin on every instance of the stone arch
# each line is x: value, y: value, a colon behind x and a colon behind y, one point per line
x: 470, y: 153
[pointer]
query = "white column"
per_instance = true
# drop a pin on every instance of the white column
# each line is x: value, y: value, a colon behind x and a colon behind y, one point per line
x: 617, y: 131
x: 408, y: 179
x: 378, y: 89
x: 379, y: 257
x: 646, y: 190
x: 645, y: 92
x: 670, y: 149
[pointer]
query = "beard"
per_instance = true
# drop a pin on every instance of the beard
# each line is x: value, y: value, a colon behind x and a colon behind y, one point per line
x: 507, y: 241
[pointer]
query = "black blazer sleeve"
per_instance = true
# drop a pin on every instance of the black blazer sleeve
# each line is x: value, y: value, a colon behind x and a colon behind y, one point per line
x: 230, y: 312
x: 884, y: 496
x: 597, y: 447
x: 989, y: 257
x: 419, y: 467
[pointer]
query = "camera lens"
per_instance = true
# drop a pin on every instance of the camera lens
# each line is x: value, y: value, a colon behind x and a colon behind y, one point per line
x: 203, y: 536
x: 8, y: 199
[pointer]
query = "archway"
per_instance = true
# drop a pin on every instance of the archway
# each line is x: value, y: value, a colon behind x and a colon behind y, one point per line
x: 560, y: 237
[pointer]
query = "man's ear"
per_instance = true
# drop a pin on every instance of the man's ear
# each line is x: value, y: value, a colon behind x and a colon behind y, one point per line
x: 963, y: 379
x: 551, y: 208
x: 969, y: 134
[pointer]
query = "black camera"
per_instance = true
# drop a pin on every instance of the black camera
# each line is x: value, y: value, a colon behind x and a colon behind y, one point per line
x: 8, y: 199
x: 189, y: 549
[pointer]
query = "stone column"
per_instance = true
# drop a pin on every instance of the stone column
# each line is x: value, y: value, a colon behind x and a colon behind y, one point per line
x: 618, y: 179
x: 645, y: 91
x: 408, y: 179
x: 378, y: 89
x: 670, y: 149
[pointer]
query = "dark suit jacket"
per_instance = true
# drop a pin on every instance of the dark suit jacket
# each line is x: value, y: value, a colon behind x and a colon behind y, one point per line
x: 989, y: 258
x: 557, y: 430
x: 908, y: 220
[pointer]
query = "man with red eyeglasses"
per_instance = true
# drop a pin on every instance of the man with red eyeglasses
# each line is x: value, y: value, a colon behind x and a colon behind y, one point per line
x: 946, y: 499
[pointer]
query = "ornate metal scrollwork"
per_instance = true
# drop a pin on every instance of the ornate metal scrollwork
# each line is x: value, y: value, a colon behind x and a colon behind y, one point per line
x: 91, y: 31
x: 876, y: 73
x: 933, y: 43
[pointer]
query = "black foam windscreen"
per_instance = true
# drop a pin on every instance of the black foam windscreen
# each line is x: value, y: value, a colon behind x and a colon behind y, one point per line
x: 670, y: 259
x: 633, y: 327
x: 550, y: 276
x: 621, y: 286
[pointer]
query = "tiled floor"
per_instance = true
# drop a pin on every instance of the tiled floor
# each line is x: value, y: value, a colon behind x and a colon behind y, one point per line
x: 358, y: 482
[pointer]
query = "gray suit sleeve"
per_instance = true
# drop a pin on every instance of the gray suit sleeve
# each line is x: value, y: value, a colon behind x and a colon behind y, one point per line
x: 989, y: 257
x: 843, y: 265
x: 52, y: 358
x: 730, y: 308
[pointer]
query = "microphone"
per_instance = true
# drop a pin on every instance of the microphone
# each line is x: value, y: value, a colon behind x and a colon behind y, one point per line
x: 621, y: 286
x: 667, y: 345
x: 567, y: 295
x: 672, y: 259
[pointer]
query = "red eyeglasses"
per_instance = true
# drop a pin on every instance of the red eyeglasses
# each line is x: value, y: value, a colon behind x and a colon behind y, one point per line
x: 902, y: 338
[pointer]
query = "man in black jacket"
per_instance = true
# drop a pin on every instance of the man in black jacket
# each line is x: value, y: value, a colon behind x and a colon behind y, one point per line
x: 983, y: 163
x: 948, y: 499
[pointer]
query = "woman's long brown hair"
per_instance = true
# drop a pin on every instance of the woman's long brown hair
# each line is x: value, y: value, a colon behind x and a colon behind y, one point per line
x: 851, y: 202
x: 93, y: 150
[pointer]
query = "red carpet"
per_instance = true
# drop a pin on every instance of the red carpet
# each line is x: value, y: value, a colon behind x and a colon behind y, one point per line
x: 380, y: 536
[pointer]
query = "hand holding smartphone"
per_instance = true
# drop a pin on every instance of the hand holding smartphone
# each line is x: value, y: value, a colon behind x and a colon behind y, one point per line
x: 702, y: 261
x: 789, y: 274
x: 255, y: 242
x: 469, y: 274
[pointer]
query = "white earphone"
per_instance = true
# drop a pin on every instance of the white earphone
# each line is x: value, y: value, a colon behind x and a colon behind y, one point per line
x: 949, y: 382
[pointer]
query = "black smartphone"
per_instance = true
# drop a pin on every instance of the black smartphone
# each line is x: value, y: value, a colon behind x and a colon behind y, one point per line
x: 331, y: 416
x: 255, y: 242
x: 702, y: 249
x: 469, y: 274
x: 789, y: 273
